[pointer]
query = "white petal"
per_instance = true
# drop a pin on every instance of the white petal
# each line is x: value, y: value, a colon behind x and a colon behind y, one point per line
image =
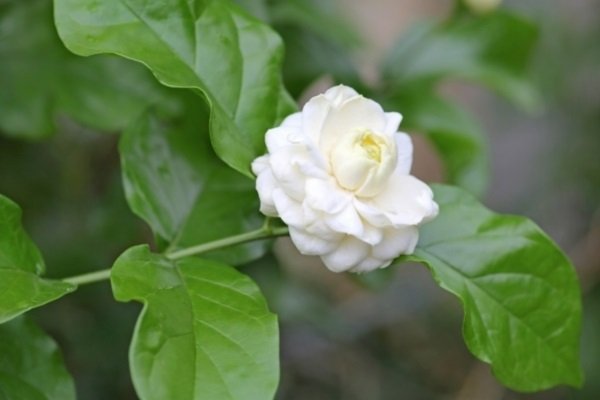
x: 265, y: 185
x: 372, y: 215
x: 289, y: 210
x: 392, y: 122
x: 339, y: 94
x: 314, y: 113
x: 260, y: 164
x: 293, y: 121
x: 370, y: 264
x: 406, y: 201
x: 275, y: 139
x: 350, y: 253
x: 311, y: 245
x: 283, y: 164
x: 346, y: 221
x: 404, y: 151
x: 396, y: 242
x: 326, y: 196
x: 371, y: 234
x: 356, y: 113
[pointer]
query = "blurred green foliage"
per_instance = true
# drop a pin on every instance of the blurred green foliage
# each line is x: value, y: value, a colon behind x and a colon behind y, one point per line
x: 70, y: 188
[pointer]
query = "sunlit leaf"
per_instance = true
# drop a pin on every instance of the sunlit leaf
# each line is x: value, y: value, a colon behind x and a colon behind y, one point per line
x: 205, y: 331
x: 210, y: 46
x: 519, y: 292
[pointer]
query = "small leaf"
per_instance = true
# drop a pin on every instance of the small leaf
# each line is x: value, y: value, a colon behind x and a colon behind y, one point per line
x: 493, y: 50
x: 186, y: 194
x: 519, y: 291
x: 210, y: 46
x: 21, y: 265
x: 456, y: 136
x: 31, y: 367
x: 40, y: 79
x: 205, y: 331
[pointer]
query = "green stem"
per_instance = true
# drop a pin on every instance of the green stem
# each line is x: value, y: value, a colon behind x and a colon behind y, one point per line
x: 263, y: 233
x: 90, y: 277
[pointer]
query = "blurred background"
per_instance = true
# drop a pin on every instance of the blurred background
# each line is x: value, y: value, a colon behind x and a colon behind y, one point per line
x: 519, y: 85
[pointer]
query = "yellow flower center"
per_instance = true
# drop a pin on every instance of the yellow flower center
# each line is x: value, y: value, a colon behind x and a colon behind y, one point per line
x: 371, y: 144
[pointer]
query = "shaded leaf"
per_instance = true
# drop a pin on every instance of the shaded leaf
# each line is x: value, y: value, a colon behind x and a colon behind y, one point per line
x: 456, y: 136
x: 21, y: 264
x: 186, y: 194
x: 493, y: 50
x: 519, y: 291
x: 205, y: 331
x: 210, y: 46
x: 41, y: 80
x: 31, y: 366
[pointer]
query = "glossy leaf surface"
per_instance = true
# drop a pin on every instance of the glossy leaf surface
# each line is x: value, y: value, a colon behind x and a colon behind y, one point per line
x: 31, y: 366
x: 205, y: 331
x: 21, y: 264
x: 519, y: 291
x: 210, y: 46
x: 187, y: 195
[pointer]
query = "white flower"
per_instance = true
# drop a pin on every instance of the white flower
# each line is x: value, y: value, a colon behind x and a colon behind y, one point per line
x: 337, y: 173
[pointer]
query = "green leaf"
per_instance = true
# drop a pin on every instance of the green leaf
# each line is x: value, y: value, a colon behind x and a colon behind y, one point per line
x: 187, y: 195
x: 31, y: 367
x: 211, y: 46
x: 205, y: 331
x: 456, y: 136
x: 41, y: 80
x: 21, y: 265
x: 493, y: 50
x: 519, y: 291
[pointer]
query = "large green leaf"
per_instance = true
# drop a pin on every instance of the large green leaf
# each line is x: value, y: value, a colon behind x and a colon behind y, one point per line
x: 211, y: 46
x: 493, y: 50
x: 519, y: 291
x: 205, y: 331
x: 21, y: 265
x: 31, y: 367
x: 453, y: 132
x: 187, y: 195
x: 40, y: 79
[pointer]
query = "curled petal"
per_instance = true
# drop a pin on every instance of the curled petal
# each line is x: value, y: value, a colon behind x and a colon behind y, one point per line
x: 396, y: 241
x: 311, y: 245
x: 348, y: 254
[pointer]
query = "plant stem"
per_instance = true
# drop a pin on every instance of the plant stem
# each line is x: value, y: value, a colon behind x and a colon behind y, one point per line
x: 90, y: 277
x: 263, y: 233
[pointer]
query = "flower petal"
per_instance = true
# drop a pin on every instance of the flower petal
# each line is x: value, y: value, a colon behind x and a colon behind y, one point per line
x: 406, y: 201
x: 392, y: 122
x: 326, y: 196
x: 265, y: 185
x: 289, y: 210
x: 311, y: 245
x: 370, y: 264
x: 395, y: 242
x: 350, y: 253
x: 339, y: 94
x: 355, y: 113
x: 404, y: 151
